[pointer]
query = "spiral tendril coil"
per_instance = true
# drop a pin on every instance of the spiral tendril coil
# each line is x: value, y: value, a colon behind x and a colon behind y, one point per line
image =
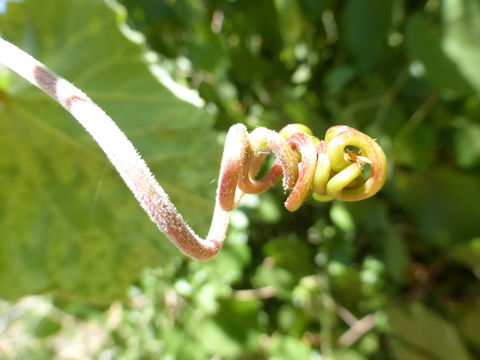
x: 335, y: 168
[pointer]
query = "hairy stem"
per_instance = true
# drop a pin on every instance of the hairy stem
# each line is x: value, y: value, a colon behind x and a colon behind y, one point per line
x: 122, y: 154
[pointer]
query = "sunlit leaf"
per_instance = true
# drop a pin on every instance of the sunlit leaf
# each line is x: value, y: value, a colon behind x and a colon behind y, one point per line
x: 287, y: 347
x: 467, y: 146
x: 468, y: 254
x: 68, y: 223
x: 424, y: 43
x: 461, y: 20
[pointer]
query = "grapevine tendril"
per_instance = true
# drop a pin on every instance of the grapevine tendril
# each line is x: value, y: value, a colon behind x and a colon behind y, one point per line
x: 329, y: 169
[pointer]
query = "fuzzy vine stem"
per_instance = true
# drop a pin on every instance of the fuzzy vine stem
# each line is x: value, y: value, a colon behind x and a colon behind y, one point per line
x: 122, y: 154
x: 309, y: 166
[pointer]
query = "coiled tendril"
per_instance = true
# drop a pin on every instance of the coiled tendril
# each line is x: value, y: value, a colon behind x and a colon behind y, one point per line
x: 328, y: 169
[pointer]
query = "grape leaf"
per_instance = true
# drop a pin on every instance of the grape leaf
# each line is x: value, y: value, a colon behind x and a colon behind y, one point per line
x: 424, y: 43
x: 67, y: 221
x: 461, y: 19
x: 444, y: 204
x: 366, y: 24
x: 421, y: 334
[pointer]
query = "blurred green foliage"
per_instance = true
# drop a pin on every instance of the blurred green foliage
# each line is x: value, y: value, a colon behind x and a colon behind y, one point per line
x: 392, y: 277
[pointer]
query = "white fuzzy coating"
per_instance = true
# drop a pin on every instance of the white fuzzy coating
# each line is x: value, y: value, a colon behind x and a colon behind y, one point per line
x: 122, y: 154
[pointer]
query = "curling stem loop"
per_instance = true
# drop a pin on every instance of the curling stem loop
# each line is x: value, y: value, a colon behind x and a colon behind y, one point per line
x: 348, y: 165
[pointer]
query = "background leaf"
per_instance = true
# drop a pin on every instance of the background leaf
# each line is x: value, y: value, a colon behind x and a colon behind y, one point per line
x: 424, y: 43
x: 366, y: 26
x: 422, y: 334
x: 440, y: 220
x: 462, y: 30
x: 68, y: 221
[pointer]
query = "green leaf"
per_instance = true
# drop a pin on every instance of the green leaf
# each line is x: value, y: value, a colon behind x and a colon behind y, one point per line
x: 279, y: 278
x: 444, y: 203
x: 287, y: 347
x: 469, y: 323
x: 420, y: 334
x: 280, y: 249
x: 68, y: 222
x: 424, y: 43
x: 347, y: 355
x: 46, y: 327
x: 461, y: 20
x: 366, y: 26
x: 341, y: 217
x: 395, y: 254
x: 468, y: 254
x: 291, y: 320
x: 242, y: 321
x: 290, y: 21
x: 416, y: 148
x: 337, y: 79
x: 233, y: 331
x: 466, y: 144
